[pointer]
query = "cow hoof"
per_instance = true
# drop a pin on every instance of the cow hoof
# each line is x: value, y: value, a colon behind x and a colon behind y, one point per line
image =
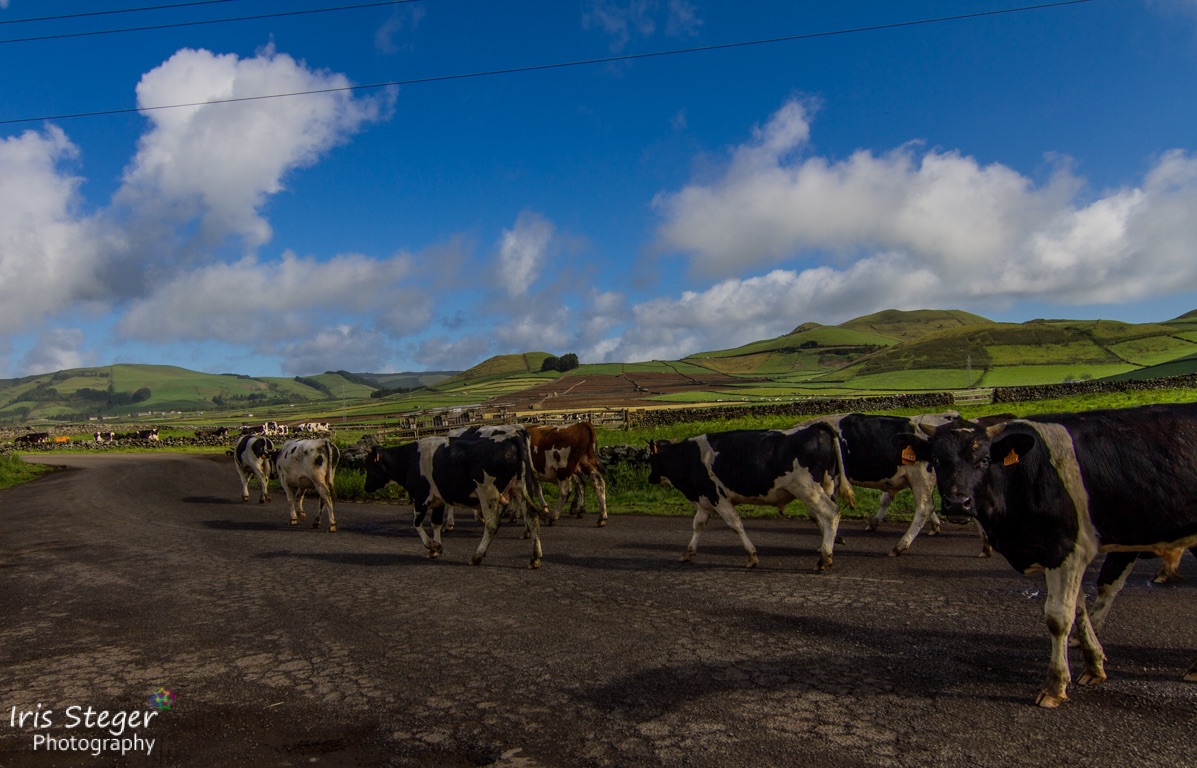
x: 475, y: 560
x: 261, y: 501
x: 895, y: 552
x: 552, y: 521
x: 245, y: 498
x: 527, y: 535
x: 448, y: 527
x: 752, y: 561
x: 316, y: 524
x: 332, y: 528
x: 686, y: 557
x: 840, y: 540
x: 532, y: 566
x: 987, y: 552
x: 1191, y: 675
x: 1091, y: 678
x: 1048, y: 700
x: 294, y: 522
x: 871, y: 525
x: 823, y: 564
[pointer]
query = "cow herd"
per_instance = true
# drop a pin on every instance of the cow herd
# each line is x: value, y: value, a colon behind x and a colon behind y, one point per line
x: 1048, y: 492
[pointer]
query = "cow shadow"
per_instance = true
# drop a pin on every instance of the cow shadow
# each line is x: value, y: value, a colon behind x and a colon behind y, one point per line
x: 211, y: 500
x: 364, y: 559
x: 240, y: 525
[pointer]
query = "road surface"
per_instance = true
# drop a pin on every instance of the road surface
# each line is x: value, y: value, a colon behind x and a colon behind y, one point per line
x: 281, y: 646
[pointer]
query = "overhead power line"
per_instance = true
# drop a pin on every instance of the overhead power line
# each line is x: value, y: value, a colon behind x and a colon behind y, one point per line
x: 562, y: 65
x: 114, y: 11
x: 202, y: 22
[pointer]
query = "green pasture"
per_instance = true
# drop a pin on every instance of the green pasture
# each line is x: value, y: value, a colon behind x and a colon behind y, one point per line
x: 1029, y: 375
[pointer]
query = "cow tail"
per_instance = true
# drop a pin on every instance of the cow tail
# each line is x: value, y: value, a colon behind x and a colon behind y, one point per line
x: 529, y: 480
x: 843, y: 488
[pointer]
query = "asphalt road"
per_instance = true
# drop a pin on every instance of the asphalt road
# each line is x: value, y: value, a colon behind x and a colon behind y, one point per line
x: 287, y: 646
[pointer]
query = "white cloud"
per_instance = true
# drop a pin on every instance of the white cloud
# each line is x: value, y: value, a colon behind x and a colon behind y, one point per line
x: 981, y: 236
x: 216, y: 165
x: 56, y: 350
x: 407, y: 17
x: 50, y: 251
x: 442, y: 353
x: 338, y: 348
x: 259, y: 303
x: 523, y: 250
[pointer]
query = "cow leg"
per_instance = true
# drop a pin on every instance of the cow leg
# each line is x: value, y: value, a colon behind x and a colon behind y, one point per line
x: 244, y: 484
x: 438, y: 520
x: 449, y: 521
x: 1191, y: 675
x: 326, y: 501
x: 826, y: 513
x: 702, y: 512
x: 264, y: 480
x: 577, y: 495
x: 600, y: 490
x: 1110, y: 579
x: 532, y: 530
x: 563, y: 488
x: 1169, y: 566
x: 489, y: 503
x: 1063, y: 592
x: 986, y: 547
x: 431, y: 544
x: 290, y: 494
x: 732, y: 518
x: 882, y: 508
x: 922, y: 485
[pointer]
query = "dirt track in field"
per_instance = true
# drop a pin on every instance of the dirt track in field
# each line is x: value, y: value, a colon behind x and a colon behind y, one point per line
x: 288, y: 646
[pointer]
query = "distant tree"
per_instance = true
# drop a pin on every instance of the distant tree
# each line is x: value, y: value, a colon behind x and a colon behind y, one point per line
x: 566, y: 362
x: 550, y: 363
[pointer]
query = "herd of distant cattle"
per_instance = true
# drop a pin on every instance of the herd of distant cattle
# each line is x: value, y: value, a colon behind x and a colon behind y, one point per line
x: 1047, y: 492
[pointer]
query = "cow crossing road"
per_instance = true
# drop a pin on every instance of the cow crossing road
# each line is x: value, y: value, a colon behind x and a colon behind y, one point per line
x: 288, y: 646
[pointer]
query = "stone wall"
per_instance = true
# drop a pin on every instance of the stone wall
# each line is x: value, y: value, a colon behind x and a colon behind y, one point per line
x: 1075, y: 388
x: 801, y: 409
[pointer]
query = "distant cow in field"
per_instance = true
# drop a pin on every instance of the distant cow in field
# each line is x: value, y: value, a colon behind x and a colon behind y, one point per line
x: 479, y: 472
x: 1052, y: 491
x: 308, y: 465
x: 32, y: 438
x: 104, y: 437
x: 718, y: 470
x: 252, y: 457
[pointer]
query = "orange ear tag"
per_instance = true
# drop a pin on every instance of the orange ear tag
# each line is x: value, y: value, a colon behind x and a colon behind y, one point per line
x: 1011, y: 458
x: 908, y: 456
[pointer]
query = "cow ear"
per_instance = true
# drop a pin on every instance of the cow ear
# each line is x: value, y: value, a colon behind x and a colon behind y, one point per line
x: 912, y: 447
x: 1012, y: 448
x: 652, y: 447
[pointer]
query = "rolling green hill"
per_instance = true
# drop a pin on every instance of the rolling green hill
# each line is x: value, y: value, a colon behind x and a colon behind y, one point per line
x: 890, y: 351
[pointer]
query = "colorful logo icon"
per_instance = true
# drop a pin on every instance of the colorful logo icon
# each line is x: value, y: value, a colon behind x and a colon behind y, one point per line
x: 162, y: 700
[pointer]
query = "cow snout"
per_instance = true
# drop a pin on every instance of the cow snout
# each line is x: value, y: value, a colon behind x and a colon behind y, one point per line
x: 959, y: 508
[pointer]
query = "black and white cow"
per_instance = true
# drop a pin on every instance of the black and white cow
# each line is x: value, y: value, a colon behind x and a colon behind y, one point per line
x: 718, y: 470
x: 252, y: 457
x: 308, y: 465
x: 479, y: 472
x: 1052, y: 491
x: 494, y: 432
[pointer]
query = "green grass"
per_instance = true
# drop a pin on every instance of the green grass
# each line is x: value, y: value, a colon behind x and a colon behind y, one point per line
x: 14, y: 470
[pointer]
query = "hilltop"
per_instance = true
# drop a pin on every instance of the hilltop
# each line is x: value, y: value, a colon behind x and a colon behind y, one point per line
x: 885, y: 352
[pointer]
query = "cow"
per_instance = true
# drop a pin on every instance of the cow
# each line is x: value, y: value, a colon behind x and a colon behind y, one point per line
x: 1051, y: 491
x: 32, y: 438
x: 561, y: 454
x: 308, y: 465
x: 104, y: 437
x: 1113, y: 575
x: 479, y: 472
x: 715, y: 471
x: 147, y: 434
x: 253, y: 458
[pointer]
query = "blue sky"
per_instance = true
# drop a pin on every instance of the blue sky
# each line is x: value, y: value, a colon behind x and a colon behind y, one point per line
x: 1036, y: 163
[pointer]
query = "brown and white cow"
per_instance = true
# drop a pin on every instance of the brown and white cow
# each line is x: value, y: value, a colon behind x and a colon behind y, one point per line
x: 308, y: 465
x: 561, y: 454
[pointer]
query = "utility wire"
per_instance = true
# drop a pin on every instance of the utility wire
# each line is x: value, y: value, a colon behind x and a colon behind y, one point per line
x: 563, y: 65
x: 114, y: 11
x: 175, y: 25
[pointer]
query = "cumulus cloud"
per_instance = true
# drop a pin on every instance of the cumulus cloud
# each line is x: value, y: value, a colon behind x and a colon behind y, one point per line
x: 906, y: 228
x: 56, y: 350
x: 522, y: 252
x: 339, y: 347
x: 272, y: 300
x: 446, y: 353
x: 50, y: 250
x: 208, y: 170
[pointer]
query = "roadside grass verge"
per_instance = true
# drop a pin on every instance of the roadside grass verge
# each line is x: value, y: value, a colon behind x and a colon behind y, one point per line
x: 14, y: 470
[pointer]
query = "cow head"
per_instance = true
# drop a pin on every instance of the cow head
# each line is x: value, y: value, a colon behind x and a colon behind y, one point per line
x: 377, y: 476
x: 655, y: 461
x: 970, y: 462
